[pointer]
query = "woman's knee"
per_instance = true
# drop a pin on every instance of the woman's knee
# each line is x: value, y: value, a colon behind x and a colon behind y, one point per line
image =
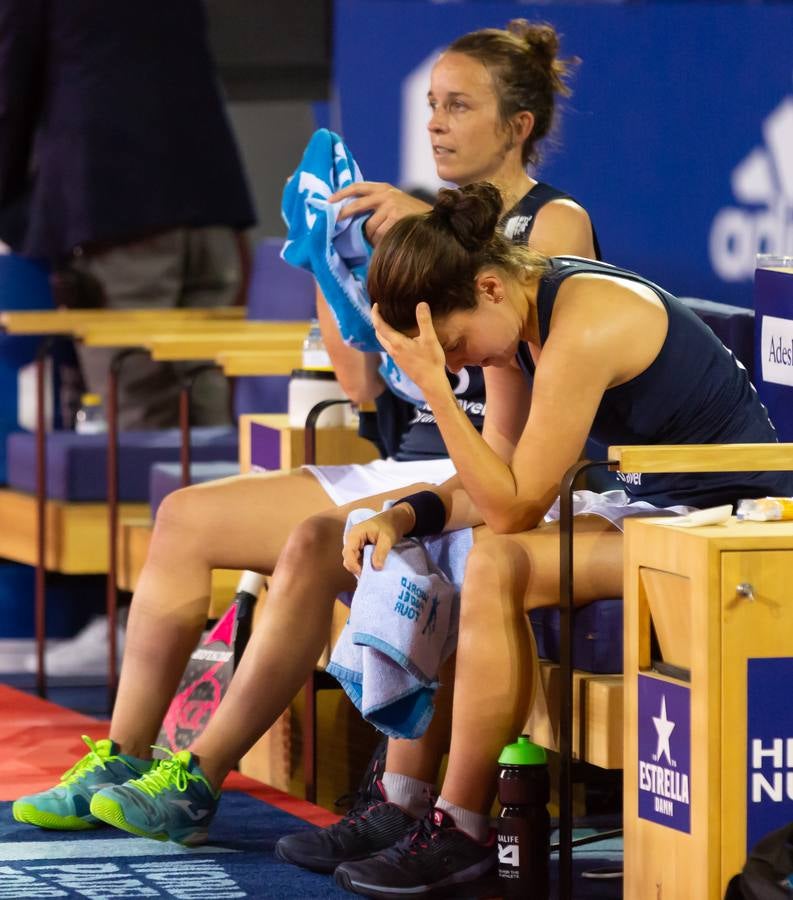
x: 316, y: 543
x: 496, y: 578
x: 183, y: 512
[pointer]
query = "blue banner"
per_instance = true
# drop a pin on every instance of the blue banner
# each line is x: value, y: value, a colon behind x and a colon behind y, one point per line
x: 664, y: 712
x: 677, y: 138
x: 769, y: 749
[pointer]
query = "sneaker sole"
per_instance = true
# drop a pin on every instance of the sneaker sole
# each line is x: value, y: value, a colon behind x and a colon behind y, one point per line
x: 472, y: 873
x: 112, y: 813
x: 323, y: 866
x: 30, y: 815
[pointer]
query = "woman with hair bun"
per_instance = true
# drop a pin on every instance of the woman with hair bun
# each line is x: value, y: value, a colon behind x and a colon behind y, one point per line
x: 616, y: 355
x: 492, y: 99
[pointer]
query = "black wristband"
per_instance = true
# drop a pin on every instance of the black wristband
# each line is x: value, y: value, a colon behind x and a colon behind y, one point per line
x: 429, y: 511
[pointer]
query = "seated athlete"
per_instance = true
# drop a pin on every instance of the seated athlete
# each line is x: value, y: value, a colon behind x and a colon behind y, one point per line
x: 618, y: 357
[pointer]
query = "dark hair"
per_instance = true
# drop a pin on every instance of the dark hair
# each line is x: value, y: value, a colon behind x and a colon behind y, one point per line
x: 436, y: 256
x: 522, y: 60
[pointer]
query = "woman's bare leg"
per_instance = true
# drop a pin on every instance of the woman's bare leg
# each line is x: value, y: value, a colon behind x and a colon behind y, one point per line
x: 289, y: 636
x: 234, y: 523
x: 506, y: 576
x: 421, y: 758
x: 290, y: 633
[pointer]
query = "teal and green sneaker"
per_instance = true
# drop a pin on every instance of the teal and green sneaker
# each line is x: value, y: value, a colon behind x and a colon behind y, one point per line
x: 172, y: 801
x: 67, y: 805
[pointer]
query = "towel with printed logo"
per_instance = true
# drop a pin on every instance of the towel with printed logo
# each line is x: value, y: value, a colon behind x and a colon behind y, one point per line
x: 336, y: 253
x: 402, y: 627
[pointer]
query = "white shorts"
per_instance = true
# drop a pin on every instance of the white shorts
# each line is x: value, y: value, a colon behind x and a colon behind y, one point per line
x: 343, y: 484
x: 614, y: 506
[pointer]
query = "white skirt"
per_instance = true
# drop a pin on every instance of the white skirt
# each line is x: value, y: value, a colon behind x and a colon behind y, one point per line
x: 344, y: 484
x: 614, y: 506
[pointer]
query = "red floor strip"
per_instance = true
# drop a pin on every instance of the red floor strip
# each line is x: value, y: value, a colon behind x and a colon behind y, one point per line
x: 40, y: 740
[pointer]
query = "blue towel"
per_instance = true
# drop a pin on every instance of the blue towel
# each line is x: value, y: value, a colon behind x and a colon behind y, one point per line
x: 402, y: 626
x: 336, y: 253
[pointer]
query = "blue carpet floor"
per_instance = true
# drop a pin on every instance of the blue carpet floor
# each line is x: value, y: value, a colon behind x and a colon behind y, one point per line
x: 104, y: 863
x: 238, y: 862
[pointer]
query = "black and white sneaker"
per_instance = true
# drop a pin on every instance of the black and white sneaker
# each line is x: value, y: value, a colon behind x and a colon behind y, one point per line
x: 434, y: 855
x: 366, y: 829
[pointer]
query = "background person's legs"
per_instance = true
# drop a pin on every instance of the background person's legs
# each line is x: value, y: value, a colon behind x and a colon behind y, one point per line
x: 179, y: 268
x: 213, y: 274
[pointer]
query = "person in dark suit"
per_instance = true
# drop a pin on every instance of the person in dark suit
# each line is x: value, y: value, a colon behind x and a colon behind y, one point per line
x: 118, y: 166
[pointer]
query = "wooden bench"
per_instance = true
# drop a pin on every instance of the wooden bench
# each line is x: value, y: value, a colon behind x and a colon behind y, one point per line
x: 49, y: 534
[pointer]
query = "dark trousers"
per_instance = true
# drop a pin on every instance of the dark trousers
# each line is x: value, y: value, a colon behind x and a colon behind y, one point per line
x: 185, y: 267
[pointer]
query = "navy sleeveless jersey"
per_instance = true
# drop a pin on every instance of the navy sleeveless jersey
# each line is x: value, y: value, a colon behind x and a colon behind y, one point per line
x: 422, y: 439
x: 694, y: 392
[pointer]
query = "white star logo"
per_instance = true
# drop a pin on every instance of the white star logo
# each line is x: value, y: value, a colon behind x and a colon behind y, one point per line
x: 664, y: 727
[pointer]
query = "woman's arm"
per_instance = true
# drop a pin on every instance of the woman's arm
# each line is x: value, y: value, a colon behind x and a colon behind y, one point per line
x: 506, y: 413
x: 356, y: 371
x: 504, y: 420
x: 582, y: 357
x: 563, y: 228
x: 386, y: 203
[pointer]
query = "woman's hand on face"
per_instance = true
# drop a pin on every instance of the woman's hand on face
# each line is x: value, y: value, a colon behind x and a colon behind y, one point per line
x: 383, y: 530
x: 386, y: 203
x: 421, y: 358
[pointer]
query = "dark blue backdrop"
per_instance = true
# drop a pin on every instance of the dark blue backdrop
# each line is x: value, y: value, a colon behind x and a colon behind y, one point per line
x: 669, y: 102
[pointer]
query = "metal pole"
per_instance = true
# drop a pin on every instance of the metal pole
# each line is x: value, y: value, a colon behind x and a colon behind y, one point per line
x: 111, y: 589
x: 310, y: 691
x: 40, y: 582
x: 566, y: 606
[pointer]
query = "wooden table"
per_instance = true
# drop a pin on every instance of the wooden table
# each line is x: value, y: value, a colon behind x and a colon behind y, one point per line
x: 65, y: 321
x: 125, y: 329
x: 705, y: 726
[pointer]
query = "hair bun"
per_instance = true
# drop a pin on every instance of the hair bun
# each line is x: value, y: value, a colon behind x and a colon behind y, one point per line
x: 540, y: 38
x: 471, y: 213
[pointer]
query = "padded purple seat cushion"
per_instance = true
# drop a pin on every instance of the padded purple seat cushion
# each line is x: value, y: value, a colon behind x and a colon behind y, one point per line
x: 77, y: 463
x: 167, y: 477
x: 597, y: 635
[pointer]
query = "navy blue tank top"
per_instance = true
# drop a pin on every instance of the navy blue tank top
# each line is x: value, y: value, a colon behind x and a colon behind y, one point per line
x: 422, y: 438
x: 694, y: 392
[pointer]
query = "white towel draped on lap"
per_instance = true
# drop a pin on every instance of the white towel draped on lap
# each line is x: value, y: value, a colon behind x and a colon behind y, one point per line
x: 402, y: 627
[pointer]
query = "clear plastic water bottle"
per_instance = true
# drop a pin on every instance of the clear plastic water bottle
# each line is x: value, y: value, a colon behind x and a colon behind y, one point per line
x: 524, y: 825
x: 90, y: 418
x: 315, y: 356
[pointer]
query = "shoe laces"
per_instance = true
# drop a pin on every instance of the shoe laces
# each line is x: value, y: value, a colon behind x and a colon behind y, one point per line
x: 359, y: 802
x: 359, y: 812
x: 418, y: 838
x: 166, y: 774
x: 90, y: 761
